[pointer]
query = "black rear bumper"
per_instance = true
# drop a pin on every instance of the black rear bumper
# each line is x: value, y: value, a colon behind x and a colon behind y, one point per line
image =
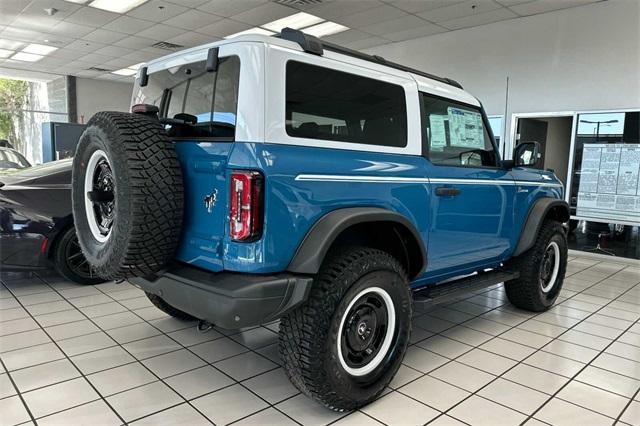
x: 226, y: 299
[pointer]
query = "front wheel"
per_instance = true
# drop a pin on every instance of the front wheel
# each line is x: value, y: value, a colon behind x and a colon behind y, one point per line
x: 542, y: 269
x: 345, y: 344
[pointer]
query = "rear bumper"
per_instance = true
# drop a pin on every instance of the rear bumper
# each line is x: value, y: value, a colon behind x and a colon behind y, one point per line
x: 225, y: 299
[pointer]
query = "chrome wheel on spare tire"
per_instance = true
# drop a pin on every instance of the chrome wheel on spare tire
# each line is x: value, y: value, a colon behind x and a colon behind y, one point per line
x: 99, y: 187
x: 127, y: 195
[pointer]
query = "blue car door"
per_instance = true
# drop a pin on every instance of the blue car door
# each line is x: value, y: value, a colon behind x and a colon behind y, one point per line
x: 471, y: 201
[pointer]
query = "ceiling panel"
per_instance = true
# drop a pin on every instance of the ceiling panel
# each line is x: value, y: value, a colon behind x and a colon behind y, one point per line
x: 157, y: 11
x: 193, y: 19
x: 479, y: 19
x: 87, y: 36
x: 542, y: 6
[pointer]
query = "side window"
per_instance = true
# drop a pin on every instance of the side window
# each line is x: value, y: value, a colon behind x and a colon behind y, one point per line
x: 455, y: 134
x: 326, y: 104
x: 201, y: 103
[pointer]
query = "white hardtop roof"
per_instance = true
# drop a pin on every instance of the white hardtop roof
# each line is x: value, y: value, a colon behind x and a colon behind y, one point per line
x: 424, y: 83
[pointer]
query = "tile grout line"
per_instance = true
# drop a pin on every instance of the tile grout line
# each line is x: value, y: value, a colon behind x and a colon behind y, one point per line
x: 76, y: 367
x: 519, y: 362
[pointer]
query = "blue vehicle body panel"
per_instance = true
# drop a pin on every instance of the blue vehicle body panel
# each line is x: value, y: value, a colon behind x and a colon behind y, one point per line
x: 477, y: 229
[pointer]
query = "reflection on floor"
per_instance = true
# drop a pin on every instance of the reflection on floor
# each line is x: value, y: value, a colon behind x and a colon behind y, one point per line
x: 103, y: 355
x: 608, y: 239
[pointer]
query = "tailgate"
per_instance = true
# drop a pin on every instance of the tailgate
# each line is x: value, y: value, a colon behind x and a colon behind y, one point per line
x: 204, y: 172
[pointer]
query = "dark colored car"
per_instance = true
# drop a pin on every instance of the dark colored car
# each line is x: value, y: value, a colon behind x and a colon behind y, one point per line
x: 10, y: 159
x: 36, y: 224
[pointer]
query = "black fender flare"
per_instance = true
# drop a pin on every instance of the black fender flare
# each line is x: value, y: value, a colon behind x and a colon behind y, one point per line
x: 540, y: 209
x: 315, y: 245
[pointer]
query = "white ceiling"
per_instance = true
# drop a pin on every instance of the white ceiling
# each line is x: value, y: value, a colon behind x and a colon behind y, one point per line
x: 89, y: 37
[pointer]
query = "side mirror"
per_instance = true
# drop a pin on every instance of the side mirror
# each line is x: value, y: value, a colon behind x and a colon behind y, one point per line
x: 471, y: 158
x: 527, y: 154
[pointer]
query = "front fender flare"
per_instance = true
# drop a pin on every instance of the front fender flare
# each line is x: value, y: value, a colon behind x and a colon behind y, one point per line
x: 317, y: 242
x: 537, y: 214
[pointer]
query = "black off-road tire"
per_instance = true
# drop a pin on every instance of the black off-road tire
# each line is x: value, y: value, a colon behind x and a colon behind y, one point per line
x: 148, y: 195
x: 309, y: 335
x: 526, y: 292
x: 167, y: 308
x: 67, y: 260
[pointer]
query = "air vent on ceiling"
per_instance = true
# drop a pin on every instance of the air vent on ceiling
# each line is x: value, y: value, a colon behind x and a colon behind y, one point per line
x: 98, y: 69
x: 165, y: 45
x: 298, y: 2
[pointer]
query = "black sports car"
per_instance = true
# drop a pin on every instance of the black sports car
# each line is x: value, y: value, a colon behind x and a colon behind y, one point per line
x: 36, y: 224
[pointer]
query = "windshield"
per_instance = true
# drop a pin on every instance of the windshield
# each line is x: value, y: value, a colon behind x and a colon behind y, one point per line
x: 201, y: 103
x: 11, y: 159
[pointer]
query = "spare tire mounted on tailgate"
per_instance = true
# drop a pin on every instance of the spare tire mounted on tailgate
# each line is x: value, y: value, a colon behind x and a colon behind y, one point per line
x: 127, y: 195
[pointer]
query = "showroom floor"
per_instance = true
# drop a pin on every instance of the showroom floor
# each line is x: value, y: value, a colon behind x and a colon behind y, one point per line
x: 103, y: 355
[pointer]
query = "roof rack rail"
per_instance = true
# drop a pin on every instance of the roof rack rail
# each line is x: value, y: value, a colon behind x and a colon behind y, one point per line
x: 314, y: 45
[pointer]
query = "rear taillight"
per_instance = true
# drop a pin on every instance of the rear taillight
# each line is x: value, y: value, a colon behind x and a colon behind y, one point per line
x: 245, y: 212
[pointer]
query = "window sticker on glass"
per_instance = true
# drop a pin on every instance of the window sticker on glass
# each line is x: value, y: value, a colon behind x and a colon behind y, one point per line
x: 465, y: 128
x: 438, y: 134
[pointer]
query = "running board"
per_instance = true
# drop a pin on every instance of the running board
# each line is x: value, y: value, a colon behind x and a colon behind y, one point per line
x: 449, y: 290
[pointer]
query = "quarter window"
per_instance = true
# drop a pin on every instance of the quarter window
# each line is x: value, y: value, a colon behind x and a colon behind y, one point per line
x: 455, y: 134
x: 204, y: 102
x: 322, y: 103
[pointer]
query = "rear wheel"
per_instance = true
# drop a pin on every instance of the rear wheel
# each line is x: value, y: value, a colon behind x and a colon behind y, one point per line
x: 345, y: 344
x: 70, y: 262
x: 541, y: 268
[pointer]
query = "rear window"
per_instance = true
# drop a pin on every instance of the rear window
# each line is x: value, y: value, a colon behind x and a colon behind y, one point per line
x: 322, y: 103
x: 202, y: 104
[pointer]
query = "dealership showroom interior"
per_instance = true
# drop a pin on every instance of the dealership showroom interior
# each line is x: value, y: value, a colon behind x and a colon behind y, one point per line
x: 314, y: 212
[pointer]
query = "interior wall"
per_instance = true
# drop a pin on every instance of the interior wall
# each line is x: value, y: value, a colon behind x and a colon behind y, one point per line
x: 101, y: 95
x: 556, y: 154
x: 583, y: 58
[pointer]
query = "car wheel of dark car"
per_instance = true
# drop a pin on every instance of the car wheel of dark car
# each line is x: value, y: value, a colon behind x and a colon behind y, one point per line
x: 70, y: 262
x: 541, y: 268
x: 127, y: 195
x: 346, y: 342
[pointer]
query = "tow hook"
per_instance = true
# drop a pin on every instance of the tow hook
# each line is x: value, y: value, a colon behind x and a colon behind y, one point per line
x: 204, y: 326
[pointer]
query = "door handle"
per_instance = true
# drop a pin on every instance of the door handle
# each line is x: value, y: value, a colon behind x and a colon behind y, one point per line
x: 447, y: 191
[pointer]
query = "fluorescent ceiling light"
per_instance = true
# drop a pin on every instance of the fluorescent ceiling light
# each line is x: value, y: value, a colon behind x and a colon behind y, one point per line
x: 39, y: 49
x: 117, y: 6
x: 325, y: 29
x: 26, y: 57
x: 124, y: 71
x: 297, y: 21
x: 256, y: 30
x: 10, y: 44
x: 135, y: 67
x: 4, y: 53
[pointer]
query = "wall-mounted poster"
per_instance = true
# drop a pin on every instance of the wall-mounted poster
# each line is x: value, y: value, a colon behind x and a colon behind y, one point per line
x: 609, y: 182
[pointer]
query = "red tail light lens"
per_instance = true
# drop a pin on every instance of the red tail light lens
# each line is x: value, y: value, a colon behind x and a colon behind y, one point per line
x: 245, y: 213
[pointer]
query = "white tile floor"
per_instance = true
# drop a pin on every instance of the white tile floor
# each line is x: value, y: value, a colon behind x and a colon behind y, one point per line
x: 104, y: 355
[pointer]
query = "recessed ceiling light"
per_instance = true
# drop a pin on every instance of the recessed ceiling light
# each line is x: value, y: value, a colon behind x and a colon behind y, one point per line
x: 297, y: 21
x: 117, y: 6
x: 4, y: 53
x: 39, y: 49
x: 26, y: 57
x: 124, y: 71
x: 256, y: 30
x: 325, y: 29
x: 10, y: 44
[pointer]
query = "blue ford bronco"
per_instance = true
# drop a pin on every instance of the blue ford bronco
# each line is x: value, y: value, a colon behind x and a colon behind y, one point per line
x: 264, y: 178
